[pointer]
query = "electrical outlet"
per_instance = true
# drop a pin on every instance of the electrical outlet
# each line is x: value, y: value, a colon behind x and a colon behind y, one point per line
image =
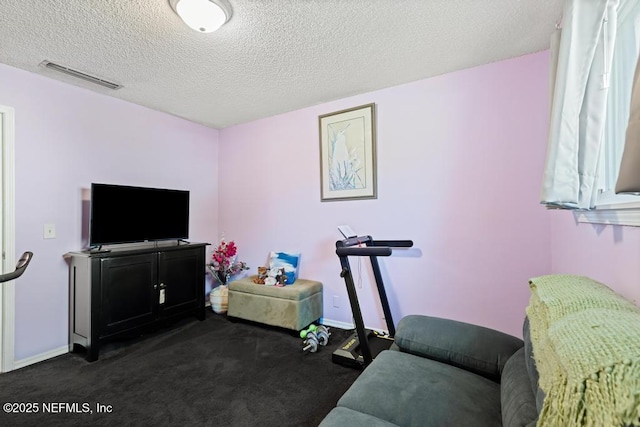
x: 49, y: 231
x: 336, y: 301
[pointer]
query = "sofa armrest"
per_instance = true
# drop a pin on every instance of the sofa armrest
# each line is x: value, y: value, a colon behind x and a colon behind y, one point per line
x: 475, y: 348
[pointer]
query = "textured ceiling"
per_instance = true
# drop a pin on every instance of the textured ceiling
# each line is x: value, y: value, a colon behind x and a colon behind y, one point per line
x: 273, y: 56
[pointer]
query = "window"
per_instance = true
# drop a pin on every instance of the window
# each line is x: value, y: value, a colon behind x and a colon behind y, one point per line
x: 614, y: 208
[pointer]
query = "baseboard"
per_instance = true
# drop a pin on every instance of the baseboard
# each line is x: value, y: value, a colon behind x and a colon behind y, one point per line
x: 41, y: 357
x: 336, y: 324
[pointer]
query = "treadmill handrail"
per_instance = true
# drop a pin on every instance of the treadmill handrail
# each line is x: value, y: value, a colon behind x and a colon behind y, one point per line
x: 393, y: 243
x: 368, y: 241
x: 364, y: 251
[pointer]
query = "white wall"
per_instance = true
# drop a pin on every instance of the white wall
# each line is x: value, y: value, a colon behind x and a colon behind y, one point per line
x: 66, y: 138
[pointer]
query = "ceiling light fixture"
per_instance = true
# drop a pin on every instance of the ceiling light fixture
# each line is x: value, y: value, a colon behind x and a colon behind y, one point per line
x: 204, y: 16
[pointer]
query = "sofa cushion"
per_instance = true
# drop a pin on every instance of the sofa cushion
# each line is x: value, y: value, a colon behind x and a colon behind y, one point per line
x: 340, y: 417
x: 413, y: 391
x: 516, y: 395
x: 478, y: 349
x: 531, y: 365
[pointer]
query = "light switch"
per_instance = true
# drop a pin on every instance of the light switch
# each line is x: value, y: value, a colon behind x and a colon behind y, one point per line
x: 49, y: 231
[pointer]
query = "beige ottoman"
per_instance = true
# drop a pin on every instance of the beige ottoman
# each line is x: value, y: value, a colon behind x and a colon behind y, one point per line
x: 293, y: 306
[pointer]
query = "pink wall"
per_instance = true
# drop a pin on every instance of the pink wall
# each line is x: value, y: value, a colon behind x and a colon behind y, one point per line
x: 67, y: 138
x: 459, y: 168
x: 609, y: 254
x: 459, y: 164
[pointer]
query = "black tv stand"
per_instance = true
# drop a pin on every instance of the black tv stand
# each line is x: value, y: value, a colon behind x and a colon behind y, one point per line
x: 126, y: 291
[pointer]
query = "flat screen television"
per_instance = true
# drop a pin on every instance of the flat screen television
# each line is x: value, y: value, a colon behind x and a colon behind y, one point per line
x: 124, y: 214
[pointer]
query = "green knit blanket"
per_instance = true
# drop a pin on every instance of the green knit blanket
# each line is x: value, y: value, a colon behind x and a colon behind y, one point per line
x: 586, y: 345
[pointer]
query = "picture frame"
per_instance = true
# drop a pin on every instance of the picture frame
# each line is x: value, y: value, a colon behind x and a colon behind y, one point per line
x: 348, y: 154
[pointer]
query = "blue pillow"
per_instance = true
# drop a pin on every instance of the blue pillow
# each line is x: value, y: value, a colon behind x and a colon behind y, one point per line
x: 288, y: 261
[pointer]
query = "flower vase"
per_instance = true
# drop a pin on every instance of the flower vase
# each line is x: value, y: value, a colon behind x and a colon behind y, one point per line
x: 219, y: 298
x: 222, y: 278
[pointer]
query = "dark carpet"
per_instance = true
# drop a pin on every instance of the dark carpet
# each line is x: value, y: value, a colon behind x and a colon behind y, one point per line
x: 216, y: 372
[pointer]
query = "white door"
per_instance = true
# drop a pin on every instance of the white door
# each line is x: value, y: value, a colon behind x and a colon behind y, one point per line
x: 7, y: 237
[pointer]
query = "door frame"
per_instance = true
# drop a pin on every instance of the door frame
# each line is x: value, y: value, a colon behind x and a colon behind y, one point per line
x: 7, y: 237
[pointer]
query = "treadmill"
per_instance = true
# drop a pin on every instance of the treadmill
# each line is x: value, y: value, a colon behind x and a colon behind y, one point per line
x: 359, y: 350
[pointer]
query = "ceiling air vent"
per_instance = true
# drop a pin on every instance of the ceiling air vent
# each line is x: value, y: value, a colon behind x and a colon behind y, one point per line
x: 80, y: 75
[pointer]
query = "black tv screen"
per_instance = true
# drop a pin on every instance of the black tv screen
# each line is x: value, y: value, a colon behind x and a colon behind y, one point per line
x: 124, y: 214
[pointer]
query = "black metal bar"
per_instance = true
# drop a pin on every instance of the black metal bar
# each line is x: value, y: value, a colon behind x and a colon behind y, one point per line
x: 365, y: 251
x: 355, y: 307
x: 393, y: 243
x: 384, y: 301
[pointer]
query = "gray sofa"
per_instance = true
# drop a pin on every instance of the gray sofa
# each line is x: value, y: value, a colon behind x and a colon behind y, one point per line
x: 443, y: 372
x: 581, y: 345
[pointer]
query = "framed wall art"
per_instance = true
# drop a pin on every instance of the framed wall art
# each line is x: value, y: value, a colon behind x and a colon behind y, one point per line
x: 348, y: 154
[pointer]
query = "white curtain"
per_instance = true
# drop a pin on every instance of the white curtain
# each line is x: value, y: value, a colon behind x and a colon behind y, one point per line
x: 579, y: 101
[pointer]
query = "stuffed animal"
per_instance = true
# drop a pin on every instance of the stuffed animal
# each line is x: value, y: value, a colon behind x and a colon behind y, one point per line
x: 271, y: 278
x: 281, y: 277
x: 262, y: 275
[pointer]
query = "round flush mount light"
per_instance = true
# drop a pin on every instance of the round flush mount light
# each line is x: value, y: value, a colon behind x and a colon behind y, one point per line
x: 203, y: 16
